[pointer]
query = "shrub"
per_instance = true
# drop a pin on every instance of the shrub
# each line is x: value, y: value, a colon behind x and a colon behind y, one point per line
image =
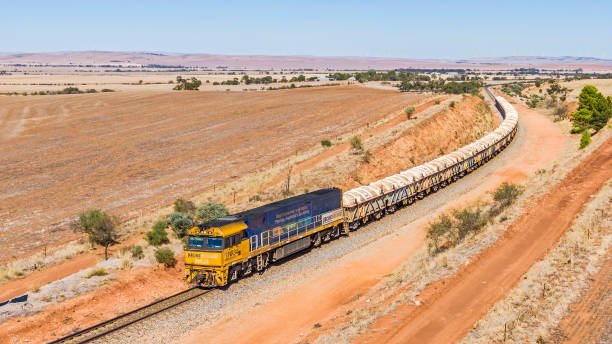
x: 212, y: 211
x: 70, y: 90
x: 533, y: 101
x: 137, y: 252
x: 468, y: 221
x: 409, y: 111
x: 96, y: 272
x: 507, y: 193
x: 255, y: 198
x: 181, y: 224
x: 184, y: 207
x: 439, y: 231
x: 165, y: 256
x: 158, y: 235
x: 585, y: 139
x: 437, y: 102
x: 185, y: 84
x: 356, y: 143
x: 107, y: 90
x: 326, y: 143
x: 126, y: 264
x: 560, y: 112
x: 367, y: 156
x: 452, y: 104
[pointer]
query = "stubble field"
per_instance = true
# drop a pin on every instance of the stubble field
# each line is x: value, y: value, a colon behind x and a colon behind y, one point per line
x: 133, y: 152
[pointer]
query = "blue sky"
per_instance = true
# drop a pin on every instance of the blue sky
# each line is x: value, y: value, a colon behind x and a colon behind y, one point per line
x: 409, y: 29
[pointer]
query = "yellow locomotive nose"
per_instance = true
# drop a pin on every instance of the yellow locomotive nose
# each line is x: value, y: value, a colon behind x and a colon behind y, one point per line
x: 212, y: 251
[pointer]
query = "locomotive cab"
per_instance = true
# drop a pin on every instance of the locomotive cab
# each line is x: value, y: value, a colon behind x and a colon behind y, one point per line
x: 213, y: 249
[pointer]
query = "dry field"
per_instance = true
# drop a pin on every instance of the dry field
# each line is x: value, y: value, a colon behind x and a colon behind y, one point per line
x: 134, y: 152
x: 54, y: 80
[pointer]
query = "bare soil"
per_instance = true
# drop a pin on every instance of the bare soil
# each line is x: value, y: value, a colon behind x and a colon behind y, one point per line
x: 590, y: 320
x: 130, y: 290
x: 131, y: 153
x: 451, y: 307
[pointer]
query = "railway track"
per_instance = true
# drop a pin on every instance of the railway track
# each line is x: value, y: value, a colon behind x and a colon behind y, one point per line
x: 109, y: 326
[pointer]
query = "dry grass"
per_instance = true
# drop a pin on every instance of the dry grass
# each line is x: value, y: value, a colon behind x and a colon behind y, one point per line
x: 96, y: 272
x: 542, y: 298
x: 22, y: 267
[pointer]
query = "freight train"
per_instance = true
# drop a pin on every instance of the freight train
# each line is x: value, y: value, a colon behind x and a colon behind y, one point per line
x: 222, y: 251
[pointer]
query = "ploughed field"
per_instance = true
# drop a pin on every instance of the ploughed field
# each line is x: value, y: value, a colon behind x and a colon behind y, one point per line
x: 135, y: 152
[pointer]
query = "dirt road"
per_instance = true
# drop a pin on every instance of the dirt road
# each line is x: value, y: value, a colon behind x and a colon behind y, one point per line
x: 129, y: 152
x: 451, y: 307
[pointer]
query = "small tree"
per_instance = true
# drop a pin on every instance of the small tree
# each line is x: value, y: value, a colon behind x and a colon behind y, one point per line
x: 165, y: 256
x: 99, y: 227
x: 158, y: 235
x: 212, y: 211
x: 594, y: 110
x: 181, y: 224
x: 184, y: 207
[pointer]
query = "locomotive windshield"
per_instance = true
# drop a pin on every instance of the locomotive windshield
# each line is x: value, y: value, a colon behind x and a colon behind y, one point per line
x: 204, y: 243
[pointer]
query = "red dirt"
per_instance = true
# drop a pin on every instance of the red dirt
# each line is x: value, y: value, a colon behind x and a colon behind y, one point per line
x: 51, y: 273
x: 129, y: 152
x: 61, y: 269
x: 132, y: 289
x: 337, y: 149
x: 428, y: 140
x: 326, y: 298
x: 591, y: 317
x: 451, y: 307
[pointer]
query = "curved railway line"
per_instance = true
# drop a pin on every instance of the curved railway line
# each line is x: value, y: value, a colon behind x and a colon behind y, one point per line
x: 112, y: 325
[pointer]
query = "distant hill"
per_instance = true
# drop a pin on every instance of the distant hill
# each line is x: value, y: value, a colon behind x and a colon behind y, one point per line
x: 219, y: 62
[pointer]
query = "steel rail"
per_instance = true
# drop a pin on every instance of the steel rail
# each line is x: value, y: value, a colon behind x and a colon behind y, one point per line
x: 111, y: 325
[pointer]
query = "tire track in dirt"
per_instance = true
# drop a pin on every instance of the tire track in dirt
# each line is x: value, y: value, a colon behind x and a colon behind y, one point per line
x: 590, y: 320
x: 14, y: 127
x: 452, y: 306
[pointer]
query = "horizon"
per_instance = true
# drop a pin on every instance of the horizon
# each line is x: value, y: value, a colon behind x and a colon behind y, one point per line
x: 170, y: 53
x: 440, y: 31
